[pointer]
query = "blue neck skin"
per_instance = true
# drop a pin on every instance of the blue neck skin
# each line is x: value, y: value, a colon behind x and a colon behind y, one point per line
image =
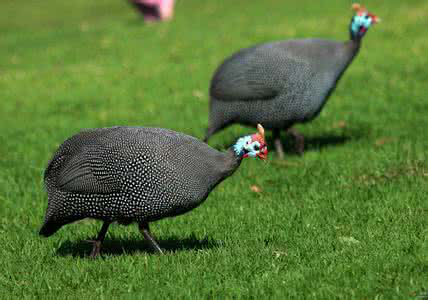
x: 358, y: 22
x: 239, y: 147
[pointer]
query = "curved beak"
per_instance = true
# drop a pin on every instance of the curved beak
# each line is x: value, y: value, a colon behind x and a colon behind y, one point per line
x: 263, y: 153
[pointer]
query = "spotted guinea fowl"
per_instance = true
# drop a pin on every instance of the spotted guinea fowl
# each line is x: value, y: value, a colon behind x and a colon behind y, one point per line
x: 282, y: 83
x: 136, y: 174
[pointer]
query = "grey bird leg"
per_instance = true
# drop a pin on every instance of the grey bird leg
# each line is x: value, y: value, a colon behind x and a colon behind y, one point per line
x: 278, y: 144
x: 96, y: 249
x: 145, y: 230
x: 299, y: 140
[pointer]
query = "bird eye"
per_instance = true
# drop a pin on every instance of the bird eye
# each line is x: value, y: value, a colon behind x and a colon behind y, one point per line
x: 256, y: 147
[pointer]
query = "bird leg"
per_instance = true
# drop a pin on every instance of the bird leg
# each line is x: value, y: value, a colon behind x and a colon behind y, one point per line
x: 277, y: 143
x: 145, y: 230
x: 299, y: 140
x: 96, y: 249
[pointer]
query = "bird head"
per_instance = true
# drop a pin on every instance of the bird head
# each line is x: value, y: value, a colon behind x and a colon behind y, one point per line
x: 361, y: 21
x: 252, y: 145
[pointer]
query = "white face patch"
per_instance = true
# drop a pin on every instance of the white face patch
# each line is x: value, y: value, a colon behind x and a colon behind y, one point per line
x: 246, y: 146
x: 362, y: 20
x: 251, y: 148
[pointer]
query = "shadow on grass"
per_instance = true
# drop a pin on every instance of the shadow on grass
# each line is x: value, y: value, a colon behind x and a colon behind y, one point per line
x: 320, y: 142
x: 316, y: 142
x: 311, y: 143
x: 114, y: 246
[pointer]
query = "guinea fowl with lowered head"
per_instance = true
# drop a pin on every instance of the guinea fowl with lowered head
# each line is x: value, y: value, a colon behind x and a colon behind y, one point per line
x: 136, y: 174
x: 282, y: 83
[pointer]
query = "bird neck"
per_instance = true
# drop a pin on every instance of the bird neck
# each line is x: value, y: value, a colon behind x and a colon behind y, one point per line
x: 353, y: 46
x: 222, y: 166
x: 355, y: 37
x: 231, y: 161
x: 354, y: 43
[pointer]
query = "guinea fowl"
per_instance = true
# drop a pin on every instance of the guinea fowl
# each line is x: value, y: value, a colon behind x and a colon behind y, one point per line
x: 282, y: 83
x: 136, y: 174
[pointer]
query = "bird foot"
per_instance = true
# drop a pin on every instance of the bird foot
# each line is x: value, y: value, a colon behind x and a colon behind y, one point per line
x: 299, y: 141
x: 278, y: 144
x: 96, y: 248
x: 299, y: 148
x: 279, y: 149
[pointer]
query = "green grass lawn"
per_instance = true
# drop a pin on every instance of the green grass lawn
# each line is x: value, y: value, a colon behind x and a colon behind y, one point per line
x: 347, y: 219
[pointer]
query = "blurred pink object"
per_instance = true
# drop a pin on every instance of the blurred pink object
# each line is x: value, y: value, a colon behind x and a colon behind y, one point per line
x: 155, y: 10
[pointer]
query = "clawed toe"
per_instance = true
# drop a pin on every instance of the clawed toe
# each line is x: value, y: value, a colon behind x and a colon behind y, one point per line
x: 96, y: 249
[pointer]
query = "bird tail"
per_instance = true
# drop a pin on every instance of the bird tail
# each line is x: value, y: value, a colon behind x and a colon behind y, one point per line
x: 53, y: 221
x: 218, y: 119
x: 212, y: 129
x: 49, y: 228
x: 208, y: 134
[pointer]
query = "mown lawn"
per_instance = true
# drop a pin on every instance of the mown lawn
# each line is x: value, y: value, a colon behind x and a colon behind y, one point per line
x: 348, y: 219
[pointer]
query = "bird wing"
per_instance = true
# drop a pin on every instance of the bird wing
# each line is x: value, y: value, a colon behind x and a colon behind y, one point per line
x: 84, y: 174
x: 258, y: 73
x: 80, y: 166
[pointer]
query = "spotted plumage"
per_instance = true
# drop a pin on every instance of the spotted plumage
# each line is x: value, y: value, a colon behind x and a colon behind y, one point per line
x: 134, y: 174
x: 281, y: 83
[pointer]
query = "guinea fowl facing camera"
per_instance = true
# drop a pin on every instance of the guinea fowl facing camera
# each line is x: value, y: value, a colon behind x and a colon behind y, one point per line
x: 136, y: 174
x: 282, y: 83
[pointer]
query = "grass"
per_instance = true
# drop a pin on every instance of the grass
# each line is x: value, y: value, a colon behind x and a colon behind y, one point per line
x: 349, y: 219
